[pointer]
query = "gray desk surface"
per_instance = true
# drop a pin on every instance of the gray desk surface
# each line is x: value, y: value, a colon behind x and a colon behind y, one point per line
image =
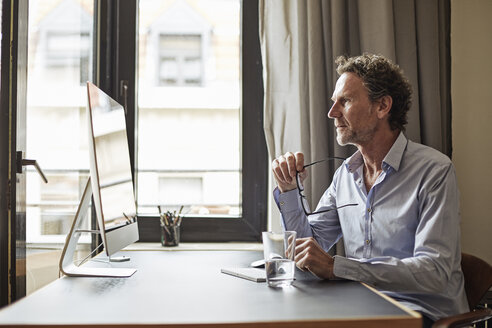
x: 186, y: 289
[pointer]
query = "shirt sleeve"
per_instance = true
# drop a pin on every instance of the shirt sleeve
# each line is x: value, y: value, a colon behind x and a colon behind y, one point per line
x: 292, y: 215
x: 436, y: 243
x: 324, y: 227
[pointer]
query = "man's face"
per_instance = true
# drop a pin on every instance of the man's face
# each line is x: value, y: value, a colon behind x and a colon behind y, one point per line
x: 354, y: 114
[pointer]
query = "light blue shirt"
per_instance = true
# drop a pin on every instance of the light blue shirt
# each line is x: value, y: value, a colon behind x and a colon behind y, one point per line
x: 403, y: 237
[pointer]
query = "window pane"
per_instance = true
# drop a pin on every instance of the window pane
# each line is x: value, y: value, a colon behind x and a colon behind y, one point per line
x: 188, y: 109
x: 60, y: 62
x: 60, y: 41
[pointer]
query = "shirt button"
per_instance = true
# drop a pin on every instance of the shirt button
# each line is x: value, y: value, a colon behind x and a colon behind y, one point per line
x: 368, y: 241
x: 282, y: 203
x: 369, y: 210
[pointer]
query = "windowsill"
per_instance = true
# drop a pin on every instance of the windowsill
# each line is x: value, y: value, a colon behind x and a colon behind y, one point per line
x: 196, y: 247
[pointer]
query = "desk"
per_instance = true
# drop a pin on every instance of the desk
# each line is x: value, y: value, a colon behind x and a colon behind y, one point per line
x: 186, y: 289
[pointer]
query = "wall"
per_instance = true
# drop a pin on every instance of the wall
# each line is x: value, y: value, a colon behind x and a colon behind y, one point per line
x: 471, y: 90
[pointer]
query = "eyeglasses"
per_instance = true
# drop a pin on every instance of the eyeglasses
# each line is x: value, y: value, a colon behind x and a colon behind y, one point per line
x: 300, y: 188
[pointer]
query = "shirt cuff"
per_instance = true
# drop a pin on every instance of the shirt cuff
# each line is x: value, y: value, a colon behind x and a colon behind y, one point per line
x: 346, y: 268
x: 286, y: 201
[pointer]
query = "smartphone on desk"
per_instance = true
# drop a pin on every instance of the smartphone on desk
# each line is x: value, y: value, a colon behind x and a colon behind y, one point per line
x: 253, y: 274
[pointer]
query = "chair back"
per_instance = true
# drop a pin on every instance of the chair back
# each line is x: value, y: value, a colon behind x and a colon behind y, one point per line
x: 478, y: 278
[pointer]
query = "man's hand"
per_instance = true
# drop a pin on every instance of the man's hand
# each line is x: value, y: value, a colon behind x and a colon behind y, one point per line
x: 311, y: 257
x: 284, y: 170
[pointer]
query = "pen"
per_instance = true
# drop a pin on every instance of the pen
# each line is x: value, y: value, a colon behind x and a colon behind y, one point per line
x: 167, y: 230
x: 127, y: 218
x: 178, y: 219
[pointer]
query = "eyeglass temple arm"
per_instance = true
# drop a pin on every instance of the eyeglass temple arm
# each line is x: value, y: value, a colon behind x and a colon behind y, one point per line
x: 322, y: 160
x: 353, y: 204
x: 336, y: 208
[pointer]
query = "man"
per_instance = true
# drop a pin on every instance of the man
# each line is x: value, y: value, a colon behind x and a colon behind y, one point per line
x: 403, y: 235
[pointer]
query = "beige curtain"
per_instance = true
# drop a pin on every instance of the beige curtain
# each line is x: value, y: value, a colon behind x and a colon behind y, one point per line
x: 300, y: 40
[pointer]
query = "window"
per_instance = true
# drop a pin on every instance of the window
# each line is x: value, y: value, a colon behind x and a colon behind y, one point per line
x: 197, y: 111
x: 61, y: 39
x: 175, y: 40
x: 60, y: 62
x: 200, y: 142
x: 180, y: 60
x: 70, y: 51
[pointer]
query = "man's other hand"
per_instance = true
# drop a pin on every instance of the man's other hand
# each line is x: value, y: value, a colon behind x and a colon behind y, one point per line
x: 284, y: 170
x: 311, y: 257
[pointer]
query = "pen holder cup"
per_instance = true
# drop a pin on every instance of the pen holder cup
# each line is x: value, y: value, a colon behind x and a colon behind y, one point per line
x: 170, y: 235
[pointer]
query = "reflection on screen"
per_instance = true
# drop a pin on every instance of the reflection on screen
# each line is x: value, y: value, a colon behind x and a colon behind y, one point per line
x: 112, y: 159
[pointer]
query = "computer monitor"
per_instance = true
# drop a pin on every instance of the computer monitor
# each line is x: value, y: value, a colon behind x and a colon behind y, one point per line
x: 111, y: 176
x: 110, y: 184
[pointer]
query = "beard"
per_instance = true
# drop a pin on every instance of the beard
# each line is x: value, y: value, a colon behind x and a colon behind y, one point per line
x: 345, y: 137
x: 348, y: 136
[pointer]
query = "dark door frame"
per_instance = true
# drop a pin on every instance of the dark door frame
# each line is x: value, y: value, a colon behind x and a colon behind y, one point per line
x: 12, y: 94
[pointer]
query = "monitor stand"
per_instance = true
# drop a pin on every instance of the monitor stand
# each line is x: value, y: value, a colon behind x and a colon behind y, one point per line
x: 67, y: 265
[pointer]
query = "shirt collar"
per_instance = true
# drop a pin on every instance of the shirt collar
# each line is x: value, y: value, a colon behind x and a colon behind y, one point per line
x: 395, y: 154
x: 354, y: 162
x: 392, y: 158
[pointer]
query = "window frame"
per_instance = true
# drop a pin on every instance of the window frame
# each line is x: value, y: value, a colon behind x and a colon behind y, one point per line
x: 116, y: 66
